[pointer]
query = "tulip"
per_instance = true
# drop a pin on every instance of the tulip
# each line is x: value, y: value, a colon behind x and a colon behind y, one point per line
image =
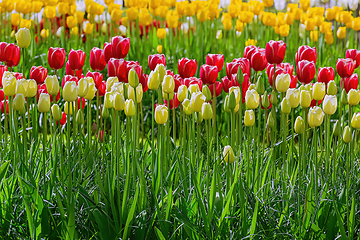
x: 130, y: 108
x: 343, y: 97
x: 208, y: 74
x: 108, y: 100
x: 231, y: 101
x: 331, y: 88
x: 139, y: 93
x: 117, y: 68
x: 341, y: 32
x: 19, y: 102
x: 350, y: 83
x: 215, y: 60
x: 83, y: 87
x: 305, y: 98
x: 347, y: 135
x: 9, y: 84
x: 187, y: 67
x: 97, y: 59
x: 23, y: 37
x: 161, y: 33
x: 168, y: 84
x: 11, y: 54
x: 76, y: 59
x: 70, y: 91
x: 252, y: 99
x: 275, y: 51
x: 305, y: 71
x: 249, y: 118
x: 233, y: 67
x: 120, y: 46
x: 161, y: 114
x: 325, y: 74
x: 283, y: 82
x: 193, y: 88
x: 69, y: 108
x: 329, y: 38
x: 118, y: 101
x: 228, y: 154
x: 159, y: 49
x: 39, y: 74
x: 252, y: 95
x: 44, y: 103
x: 299, y: 125
x: 306, y: 53
x: 206, y: 111
x: 315, y: 116
x: 285, y: 106
x: 21, y: 87
x: 187, y: 108
x: 56, y: 58
x: 354, y: 54
x: 153, y: 80
x: 156, y: 59
x: 353, y: 97
x: 91, y: 91
x: 258, y: 60
x: 31, y: 89
x: 293, y: 95
x: 337, y: 128
x: 133, y: 78
x: 52, y: 85
x: 182, y: 93
x: 56, y: 112
x: 345, y: 67
x: 355, y: 121
x: 329, y: 104
x: 196, y: 101
x: 318, y: 91
x: 249, y: 51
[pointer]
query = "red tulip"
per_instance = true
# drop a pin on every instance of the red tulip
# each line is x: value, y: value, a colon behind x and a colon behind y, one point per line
x: 270, y: 105
x: 244, y: 64
x: 275, y: 51
x: 354, y: 55
x: 18, y: 75
x: 156, y: 59
x: 170, y: 103
x: 143, y: 80
x: 249, y: 51
x: 68, y: 78
x: 208, y: 74
x: 76, y: 59
x: 350, y: 83
x: 345, y: 67
x: 2, y: 106
x: 169, y: 72
x: 12, y: 55
x: 232, y: 67
x: 97, y: 77
x: 178, y: 81
x: 2, y: 95
x: 102, y: 89
x: 258, y: 60
x: 107, y: 51
x: 293, y: 82
x: 187, y: 67
x: 315, y: 103
x: 97, y: 59
x: 71, y: 72
x: 100, y: 136
x: 226, y: 84
x: 117, y: 68
x: 2, y: 51
x: 120, y: 46
x: 306, y: 71
x: 280, y: 68
x: 325, y: 74
x: 39, y: 74
x: 2, y: 70
x: 56, y: 57
x: 215, y: 60
x: 79, y: 103
x: 133, y: 65
x: 306, y: 53
x: 193, y: 80
x: 42, y: 89
x: 62, y: 120
x: 218, y: 88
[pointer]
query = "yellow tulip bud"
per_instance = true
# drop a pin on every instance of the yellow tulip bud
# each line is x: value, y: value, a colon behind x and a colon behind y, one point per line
x: 161, y: 114
x: 329, y: 104
x: 44, y: 103
x: 161, y: 33
x: 9, y: 84
x: 52, y: 85
x: 56, y: 112
x: 186, y: 106
x: 318, y: 91
x: 310, y: 24
x: 314, y: 36
x: 89, y: 28
x: 285, y: 106
x: 50, y: 12
x: 355, y: 121
x: 305, y: 98
x: 130, y: 108
x: 356, y: 24
x: 293, y: 95
x: 153, y: 80
x: 329, y: 38
x: 70, y: 91
x: 31, y: 89
x: 331, y: 88
x: 315, y: 116
x: 132, y: 13
x: 83, y: 86
x: 249, y: 118
x: 118, y: 101
x: 341, y: 32
x: 79, y: 17
x: 299, y: 125
x: 182, y: 93
x: 206, y: 111
x: 347, y: 135
x: 15, y: 19
x: 23, y: 37
x: 168, y: 84
x: 252, y: 99
x: 196, y: 101
x: 116, y: 15
x: 282, y: 82
x: 44, y: 33
x: 19, y: 102
x: 139, y: 93
x: 228, y: 154
x: 133, y: 78
x: 108, y: 100
x: 91, y: 91
x: 71, y: 21
x: 289, y: 18
x: 353, y: 97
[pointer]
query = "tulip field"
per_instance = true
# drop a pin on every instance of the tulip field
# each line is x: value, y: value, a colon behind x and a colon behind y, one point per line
x: 179, y: 120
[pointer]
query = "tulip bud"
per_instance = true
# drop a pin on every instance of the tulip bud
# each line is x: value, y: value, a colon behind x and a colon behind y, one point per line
x: 232, y: 101
x: 302, y: 87
x: 206, y: 91
x: 252, y: 99
x: 260, y: 87
x: 94, y: 127
x: 273, y: 98
x: 305, y: 99
x: 285, y: 106
x: 265, y: 100
x: 240, y: 76
x: 344, y: 97
x: 347, y: 135
x: 249, y: 118
x: 161, y: 114
x: 337, y: 128
x: 153, y: 80
x: 226, y: 104
x: 236, y: 91
x: 282, y: 82
x: 139, y: 93
x: 70, y: 91
x: 80, y: 117
x: 182, y: 92
x: 196, y: 101
x: 32, y: 88
x: 168, y: 84
x: 105, y: 113
x: 299, y: 125
x: 52, y: 85
x: 9, y: 83
x: 83, y: 86
x: 23, y: 37
x: 353, y: 97
x: 329, y: 104
x: 318, y: 91
x: 186, y: 106
x: 19, y: 102
x: 252, y: 87
x: 108, y: 100
x: 315, y: 116
x: 355, y: 121
x: 270, y: 121
x: 193, y: 88
x: 331, y: 88
x: 293, y: 95
x: 110, y: 82
x: 206, y: 111
x: 118, y: 101
x: 130, y: 108
x: 160, y: 68
x: 228, y: 154
x: 133, y: 78
x: 56, y: 112
x: 44, y: 103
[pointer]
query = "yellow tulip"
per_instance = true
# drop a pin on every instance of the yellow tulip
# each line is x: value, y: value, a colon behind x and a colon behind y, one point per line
x: 353, y: 97
x: 182, y: 93
x: 19, y: 102
x: 130, y: 108
x: 21, y: 86
x: 15, y: 19
x: 69, y: 108
x: 329, y: 38
x: 50, y: 12
x: 24, y: 23
x: 139, y: 93
x: 252, y: 99
x: 318, y: 91
x: 304, y: 4
x: 347, y: 136
x: 116, y: 15
x: 249, y: 118
x: 153, y: 80
x: 79, y: 17
x: 228, y: 154
x: 330, y: 14
x: 284, y: 30
x: 159, y: 49
x: 356, y: 24
x: 355, y: 121
x: 310, y: 24
x: 91, y: 91
x: 56, y: 112
x: 305, y: 98
x: 83, y: 87
x: 108, y: 100
x: 289, y: 18
x: 89, y: 28
x: 325, y: 27
x: 282, y: 82
x: 118, y: 101
x: 250, y: 42
x: 145, y: 18
x: 63, y: 8
x: 44, y: 33
x: 299, y: 126
x: 9, y: 84
x: 206, y: 111
x: 202, y: 15
x: 70, y: 91
x: 193, y: 88
x: 168, y: 84
x: 268, y: 3
x: 132, y: 13
x: 161, y: 33
x: 44, y: 103
x: 293, y: 95
x: 285, y: 106
x: 329, y: 104
x: 315, y: 116
x: 196, y: 101
x: 186, y: 107
x: 52, y: 85
x: 71, y: 21
x: 172, y: 19
x: 161, y: 114
x: 341, y: 32
x: 31, y: 89
x: 236, y: 91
